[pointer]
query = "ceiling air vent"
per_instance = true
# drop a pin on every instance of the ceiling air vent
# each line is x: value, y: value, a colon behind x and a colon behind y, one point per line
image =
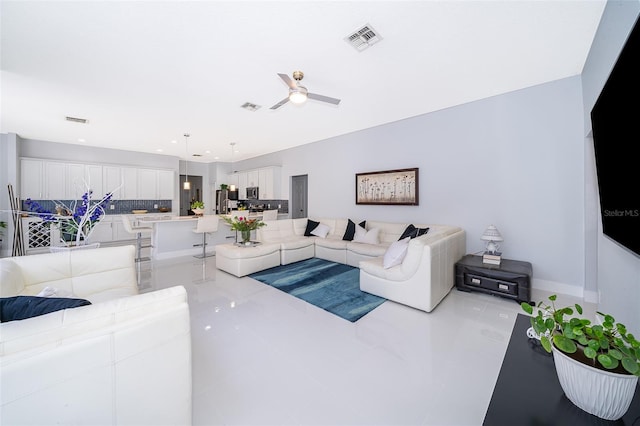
x: 250, y: 107
x: 77, y: 120
x: 363, y: 38
x: 196, y: 155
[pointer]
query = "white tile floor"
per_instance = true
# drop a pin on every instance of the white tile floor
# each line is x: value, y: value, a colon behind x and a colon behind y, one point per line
x: 263, y: 357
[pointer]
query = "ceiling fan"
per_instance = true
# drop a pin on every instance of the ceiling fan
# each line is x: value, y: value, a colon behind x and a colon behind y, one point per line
x: 298, y: 94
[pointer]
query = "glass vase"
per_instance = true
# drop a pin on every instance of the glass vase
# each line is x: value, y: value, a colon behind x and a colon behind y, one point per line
x: 246, y: 236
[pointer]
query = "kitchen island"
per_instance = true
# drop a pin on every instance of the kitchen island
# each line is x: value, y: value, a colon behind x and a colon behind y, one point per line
x: 173, y: 236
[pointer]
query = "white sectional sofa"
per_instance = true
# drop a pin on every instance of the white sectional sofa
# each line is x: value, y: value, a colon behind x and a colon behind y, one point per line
x: 423, y: 278
x: 124, y: 359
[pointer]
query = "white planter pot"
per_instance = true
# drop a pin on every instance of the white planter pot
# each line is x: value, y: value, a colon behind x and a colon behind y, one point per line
x: 602, y: 393
x: 198, y: 211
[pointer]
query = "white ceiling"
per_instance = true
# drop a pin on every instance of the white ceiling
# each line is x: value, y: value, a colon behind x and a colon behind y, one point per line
x: 144, y: 73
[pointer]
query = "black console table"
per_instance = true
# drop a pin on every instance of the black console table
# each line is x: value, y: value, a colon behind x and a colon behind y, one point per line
x: 527, y: 391
x: 510, y: 279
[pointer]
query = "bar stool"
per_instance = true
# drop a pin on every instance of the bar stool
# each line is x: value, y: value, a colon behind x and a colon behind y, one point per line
x: 205, y: 225
x: 139, y: 232
x: 270, y: 215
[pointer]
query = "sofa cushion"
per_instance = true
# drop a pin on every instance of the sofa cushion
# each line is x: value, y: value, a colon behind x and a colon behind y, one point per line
x: 332, y: 243
x: 350, y: 232
x: 296, y: 243
x: 366, y: 237
x: 395, y: 253
x: 311, y: 225
x: 23, y: 307
x: 371, y: 250
x: 321, y: 230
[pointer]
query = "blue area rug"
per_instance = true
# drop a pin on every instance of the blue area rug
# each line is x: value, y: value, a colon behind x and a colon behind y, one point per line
x: 331, y: 286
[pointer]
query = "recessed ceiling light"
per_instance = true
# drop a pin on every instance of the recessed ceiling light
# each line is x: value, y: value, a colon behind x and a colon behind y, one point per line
x: 216, y: 158
x: 159, y: 150
x: 174, y: 141
x: 81, y: 140
x: 207, y: 152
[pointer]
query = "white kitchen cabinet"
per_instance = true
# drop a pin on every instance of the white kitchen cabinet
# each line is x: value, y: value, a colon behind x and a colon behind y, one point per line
x: 55, y: 180
x: 31, y: 179
x: 269, y: 179
x: 94, y: 178
x: 75, y: 182
x: 129, y: 190
x: 147, y: 184
x: 253, y: 178
x: 166, y: 184
x: 112, y: 180
x: 102, y: 232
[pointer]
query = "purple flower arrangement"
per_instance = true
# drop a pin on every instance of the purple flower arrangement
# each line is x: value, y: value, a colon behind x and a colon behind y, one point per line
x: 75, y: 221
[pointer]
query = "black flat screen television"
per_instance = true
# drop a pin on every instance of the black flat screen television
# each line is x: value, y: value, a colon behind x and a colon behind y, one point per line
x: 615, y: 121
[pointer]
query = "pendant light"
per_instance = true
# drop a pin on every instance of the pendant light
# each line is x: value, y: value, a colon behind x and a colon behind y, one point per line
x: 186, y: 185
x: 232, y: 187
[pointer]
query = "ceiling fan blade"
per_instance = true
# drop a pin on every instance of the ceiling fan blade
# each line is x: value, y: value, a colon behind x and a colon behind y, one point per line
x: 288, y: 80
x: 279, y: 104
x: 323, y: 98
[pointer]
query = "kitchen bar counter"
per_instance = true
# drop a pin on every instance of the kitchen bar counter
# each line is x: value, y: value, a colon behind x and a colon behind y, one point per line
x: 173, y: 236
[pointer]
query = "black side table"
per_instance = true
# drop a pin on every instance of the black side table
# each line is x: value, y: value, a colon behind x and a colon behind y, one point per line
x: 528, y: 392
x: 510, y: 279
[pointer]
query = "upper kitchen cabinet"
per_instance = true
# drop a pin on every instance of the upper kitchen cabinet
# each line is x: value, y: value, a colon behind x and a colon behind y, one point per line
x: 166, y: 184
x: 147, y: 184
x: 55, y: 180
x: 129, y: 190
x: 31, y: 179
x: 140, y: 184
x: 112, y: 180
x: 269, y: 183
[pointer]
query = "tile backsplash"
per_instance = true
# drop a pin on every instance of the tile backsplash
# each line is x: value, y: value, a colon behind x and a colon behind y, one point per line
x: 119, y: 206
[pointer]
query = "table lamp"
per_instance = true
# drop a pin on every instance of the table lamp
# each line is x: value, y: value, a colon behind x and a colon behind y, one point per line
x: 492, y: 236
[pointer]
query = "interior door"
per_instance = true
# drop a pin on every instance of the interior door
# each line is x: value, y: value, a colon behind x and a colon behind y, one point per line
x: 299, y: 196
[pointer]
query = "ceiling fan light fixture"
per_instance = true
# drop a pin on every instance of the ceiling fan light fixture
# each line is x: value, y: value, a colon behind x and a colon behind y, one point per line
x: 298, y: 96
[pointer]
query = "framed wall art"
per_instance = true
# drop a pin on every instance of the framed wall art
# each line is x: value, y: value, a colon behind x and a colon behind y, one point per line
x: 391, y: 187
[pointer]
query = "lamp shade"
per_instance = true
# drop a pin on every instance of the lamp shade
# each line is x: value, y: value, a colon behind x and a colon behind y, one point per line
x: 491, y: 234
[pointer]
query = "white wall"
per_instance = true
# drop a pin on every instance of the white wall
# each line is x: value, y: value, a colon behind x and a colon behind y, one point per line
x: 617, y: 269
x: 515, y: 161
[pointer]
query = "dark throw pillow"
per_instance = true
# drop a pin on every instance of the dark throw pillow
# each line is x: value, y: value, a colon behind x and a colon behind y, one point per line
x: 422, y: 231
x: 413, y: 232
x: 311, y: 225
x: 409, y: 231
x: 23, y: 307
x: 350, y: 232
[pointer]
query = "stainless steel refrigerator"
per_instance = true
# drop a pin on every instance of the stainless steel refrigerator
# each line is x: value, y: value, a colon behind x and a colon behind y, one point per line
x: 226, y: 200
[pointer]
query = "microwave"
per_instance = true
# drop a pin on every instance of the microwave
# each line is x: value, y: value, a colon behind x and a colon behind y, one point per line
x: 252, y: 193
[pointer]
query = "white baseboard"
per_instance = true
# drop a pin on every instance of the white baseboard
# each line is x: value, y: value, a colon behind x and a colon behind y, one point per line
x: 569, y: 290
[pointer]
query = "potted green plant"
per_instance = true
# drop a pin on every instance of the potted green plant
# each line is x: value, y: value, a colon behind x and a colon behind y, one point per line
x: 197, y: 207
x: 589, y: 357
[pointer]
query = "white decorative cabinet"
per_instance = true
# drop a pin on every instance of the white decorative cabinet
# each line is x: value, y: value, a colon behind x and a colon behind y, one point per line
x: 31, y: 179
x: 166, y: 184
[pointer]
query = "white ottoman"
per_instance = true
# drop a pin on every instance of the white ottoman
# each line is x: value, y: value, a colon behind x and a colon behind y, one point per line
x: 241, y: 260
